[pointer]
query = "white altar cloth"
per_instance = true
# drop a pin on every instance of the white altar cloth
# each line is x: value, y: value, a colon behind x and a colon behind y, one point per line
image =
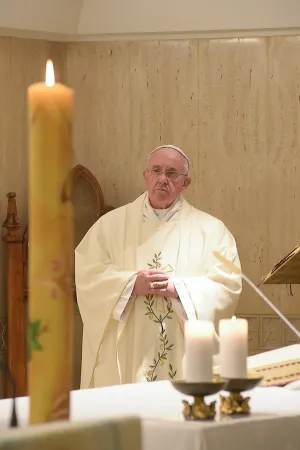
x: 274, y: 424
x: 274, y: 356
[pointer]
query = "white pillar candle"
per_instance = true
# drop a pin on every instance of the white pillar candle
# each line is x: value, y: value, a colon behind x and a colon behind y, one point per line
x: 233, y: 347
x: 198, y: 351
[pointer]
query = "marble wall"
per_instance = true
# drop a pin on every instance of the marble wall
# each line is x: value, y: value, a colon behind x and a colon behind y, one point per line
x: 232, y: 104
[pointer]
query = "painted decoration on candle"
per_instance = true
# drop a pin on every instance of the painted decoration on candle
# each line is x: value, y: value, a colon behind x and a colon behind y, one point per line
x: 50, y: 328
x: 34, y: 332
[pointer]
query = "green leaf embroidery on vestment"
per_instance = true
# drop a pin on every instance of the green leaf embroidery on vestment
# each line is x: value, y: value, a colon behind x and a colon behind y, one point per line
x: 165, y: 347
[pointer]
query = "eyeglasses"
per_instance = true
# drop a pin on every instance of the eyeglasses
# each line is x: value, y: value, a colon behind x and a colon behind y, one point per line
x: 170, y: 174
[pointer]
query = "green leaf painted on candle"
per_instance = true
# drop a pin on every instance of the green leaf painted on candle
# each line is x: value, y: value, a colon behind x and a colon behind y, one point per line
x: 34, y: 332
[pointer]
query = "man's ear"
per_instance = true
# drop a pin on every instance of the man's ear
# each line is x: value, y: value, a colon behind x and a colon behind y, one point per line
x: 145, y: 178
x: 187, y: 181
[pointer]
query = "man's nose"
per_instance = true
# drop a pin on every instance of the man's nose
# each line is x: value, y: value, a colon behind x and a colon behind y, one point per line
x: 163, y: 177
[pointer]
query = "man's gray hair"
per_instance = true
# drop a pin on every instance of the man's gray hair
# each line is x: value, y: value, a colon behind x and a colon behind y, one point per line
x: 177, y: 149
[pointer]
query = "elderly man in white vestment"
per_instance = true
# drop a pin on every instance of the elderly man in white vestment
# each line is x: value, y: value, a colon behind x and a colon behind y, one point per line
x: 145, y: 268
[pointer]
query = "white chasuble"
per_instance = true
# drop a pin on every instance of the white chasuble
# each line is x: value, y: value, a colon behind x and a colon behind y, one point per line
x: 128, y: 340
x: 150, y: 346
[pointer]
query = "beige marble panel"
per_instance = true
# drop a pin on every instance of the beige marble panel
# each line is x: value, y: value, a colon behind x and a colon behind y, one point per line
x: 80, y: 58
x: 233, y: 154
x: 267, y: 332
x: 289, y: 337
x: 270, y: 332
x: 57, y: 51
x: 253, y: 331
x: 22, y: 62
x: 100, y: 75
x: 144, y: 109
x: 178, y: 98
x: 82, y: 77
x: 114, y: 119
x: 284, y: 159
x: 27, y: 65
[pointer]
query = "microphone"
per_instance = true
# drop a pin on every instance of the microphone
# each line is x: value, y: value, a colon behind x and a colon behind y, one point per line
x: 13, y: 419
x: 236, y: 270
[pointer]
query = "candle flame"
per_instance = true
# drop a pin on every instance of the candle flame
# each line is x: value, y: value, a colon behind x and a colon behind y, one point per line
x: 50, y: 78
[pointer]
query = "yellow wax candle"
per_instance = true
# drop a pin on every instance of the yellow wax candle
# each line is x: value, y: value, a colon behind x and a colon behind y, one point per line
x: 50, y: 325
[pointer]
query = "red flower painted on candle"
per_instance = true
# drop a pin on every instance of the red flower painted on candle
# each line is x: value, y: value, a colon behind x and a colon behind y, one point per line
x: 60, y: 280
x: 54, y: 293
x: 55, y: 266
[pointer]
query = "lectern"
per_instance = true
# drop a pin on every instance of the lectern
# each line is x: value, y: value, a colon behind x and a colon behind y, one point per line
x: 279, y: 369
x: 287, y: 271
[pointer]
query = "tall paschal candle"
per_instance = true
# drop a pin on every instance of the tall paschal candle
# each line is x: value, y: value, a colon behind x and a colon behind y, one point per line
x: 50, y: 277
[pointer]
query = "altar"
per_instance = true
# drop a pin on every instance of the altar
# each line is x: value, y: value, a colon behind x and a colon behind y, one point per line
x: 274, y: 423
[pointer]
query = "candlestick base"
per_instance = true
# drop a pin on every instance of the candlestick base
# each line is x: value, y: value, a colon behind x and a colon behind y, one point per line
x: 199, y: 410
x: 235, y: 403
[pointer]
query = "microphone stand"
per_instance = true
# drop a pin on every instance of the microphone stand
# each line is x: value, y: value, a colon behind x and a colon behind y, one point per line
x: 13, y: 418
x: 230, y: 265
x: 276, y: 310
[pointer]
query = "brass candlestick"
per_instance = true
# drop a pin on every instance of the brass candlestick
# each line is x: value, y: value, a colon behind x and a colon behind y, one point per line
x: 235, y: 403
x: 199, y: 410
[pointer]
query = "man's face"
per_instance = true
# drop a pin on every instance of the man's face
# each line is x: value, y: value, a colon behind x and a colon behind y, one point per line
x: 164, y: 177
